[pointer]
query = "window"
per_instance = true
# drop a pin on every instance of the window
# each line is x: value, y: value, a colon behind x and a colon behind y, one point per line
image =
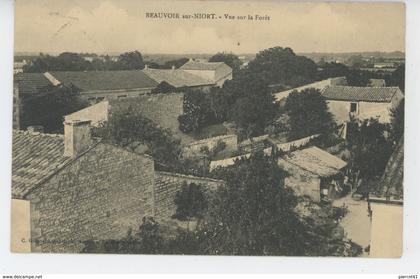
x: 353, y: 107
x: 122, y: 96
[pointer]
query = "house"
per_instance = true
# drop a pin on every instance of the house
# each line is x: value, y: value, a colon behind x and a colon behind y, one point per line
x: 70, y: 188
x: 361, y: 103
x: 179, y: 78
x: 314, y: 173
x: 218, y: 72
x: 386, y: 208
x: 320, y: 85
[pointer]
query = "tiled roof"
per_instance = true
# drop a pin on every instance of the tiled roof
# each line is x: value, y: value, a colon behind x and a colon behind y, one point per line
x: 198, y: 65
x: 366, y: 94
x: 316, y: 161
x: 35, y: 157
x: 391, y: 183
x: 176, y: 77
x: 106, y: 80
x: 31, y: 83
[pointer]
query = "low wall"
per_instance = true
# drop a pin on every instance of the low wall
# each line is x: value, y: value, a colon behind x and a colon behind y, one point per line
x: 168, y: 184
x: 194, y: 149
x: 285, y: 147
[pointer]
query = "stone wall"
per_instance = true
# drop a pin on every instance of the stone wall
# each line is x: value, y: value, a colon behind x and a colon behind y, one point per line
x: 99, y: 195
x: 194, y: 148
x: 168, y: 184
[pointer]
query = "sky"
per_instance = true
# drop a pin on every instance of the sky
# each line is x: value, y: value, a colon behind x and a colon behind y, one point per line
x: 107, y: 26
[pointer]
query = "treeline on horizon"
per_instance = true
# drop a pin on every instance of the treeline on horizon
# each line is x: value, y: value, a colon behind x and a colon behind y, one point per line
x: 282, y: 67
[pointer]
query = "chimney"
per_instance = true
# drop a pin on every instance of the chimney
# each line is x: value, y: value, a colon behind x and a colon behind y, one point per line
x: 77, y: 137
x: 173, y: 67
x: 146, y: 66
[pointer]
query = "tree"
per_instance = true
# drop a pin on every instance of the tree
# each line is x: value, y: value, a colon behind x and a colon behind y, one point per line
x: 397, y: 78
x: 190, y: 202
x: 333, y: 69
x: 150, y: 237
x: 357, y: 77
x: 248, y: 102
x: 369, y: 147
x: 308, y: 114
x: 253, y: 214
x: 130, y: 61
x: 49, y: 107
x: 397, y: 121
x: 282, y: 65
x: 129, y: 129
x: 229, y: 59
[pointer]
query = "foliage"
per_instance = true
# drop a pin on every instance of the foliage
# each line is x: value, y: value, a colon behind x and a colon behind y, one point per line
x: 397, y: 121
x: 357, y: 77
x: 333, y: 69
x: 191, y: 201
x: 49, y: 108
x: 129, y: 128
x: 282, y: 65
x: 197, y: 111
x: 252, y: 214
x: 230, y: 59
x: 249, y: 103
x: 397, y: 77
x: 308, y: 114
x: 130, y: 61
x: 369, y: 147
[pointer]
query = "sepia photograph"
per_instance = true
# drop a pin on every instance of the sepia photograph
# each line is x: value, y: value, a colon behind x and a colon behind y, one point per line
x: 223, y: 128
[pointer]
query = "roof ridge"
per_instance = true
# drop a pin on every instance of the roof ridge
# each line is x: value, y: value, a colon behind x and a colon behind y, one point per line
x: 38, y: 133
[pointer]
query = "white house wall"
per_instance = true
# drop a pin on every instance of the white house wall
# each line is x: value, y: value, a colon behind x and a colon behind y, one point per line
x: 365, y: 110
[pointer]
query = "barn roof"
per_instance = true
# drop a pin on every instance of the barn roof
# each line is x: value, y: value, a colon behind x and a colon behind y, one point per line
x: 365, y: 94
x: 315, y: 161
x: 176, y: 77
x: 105, y: 80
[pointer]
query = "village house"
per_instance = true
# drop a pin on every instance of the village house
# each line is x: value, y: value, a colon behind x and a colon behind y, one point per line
x: 70, y: 188
x: 314, y: 173
x: 386, y: 208
x: 346, y: 102
x: 217, y: 72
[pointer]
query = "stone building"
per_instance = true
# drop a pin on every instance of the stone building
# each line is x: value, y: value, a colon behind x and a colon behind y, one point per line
x: 361, y: 103
x: 217, y: 72
x: 72, y: 188
x: 314, y: 173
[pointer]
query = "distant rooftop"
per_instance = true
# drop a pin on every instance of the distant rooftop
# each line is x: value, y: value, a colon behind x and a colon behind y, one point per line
x: 366, y: 94
x: 31, y: 83
x: 199, y: 65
